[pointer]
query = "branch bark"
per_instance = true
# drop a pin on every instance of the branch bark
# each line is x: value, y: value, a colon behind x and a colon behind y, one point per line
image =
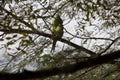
x: 49, y: 36
x: 61, y: 70
x: 34, y: 31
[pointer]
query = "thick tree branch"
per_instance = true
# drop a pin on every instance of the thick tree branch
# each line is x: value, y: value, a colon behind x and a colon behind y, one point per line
x: 61, y: 70
x: 49, y: 36
x: 40, y: 33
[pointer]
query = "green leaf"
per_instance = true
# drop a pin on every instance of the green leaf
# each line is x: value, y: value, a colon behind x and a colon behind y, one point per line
x: 9, y: 48
x: 25, y: 42
x: 30, y: 38
x: 85, y: 41
x: 8, y: 38
x: 10, y: 43
x: 1, y: 39
x: 36, y: 11
x: 31, y: 8
x: 14, y: 36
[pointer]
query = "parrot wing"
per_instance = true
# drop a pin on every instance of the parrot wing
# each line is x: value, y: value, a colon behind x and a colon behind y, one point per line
x: 57, y: 30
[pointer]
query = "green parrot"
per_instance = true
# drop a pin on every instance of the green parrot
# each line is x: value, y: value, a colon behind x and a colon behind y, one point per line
x: 57, y: 30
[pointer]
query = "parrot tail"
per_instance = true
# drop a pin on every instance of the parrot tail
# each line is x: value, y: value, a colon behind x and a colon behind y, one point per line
x: 53, y: 45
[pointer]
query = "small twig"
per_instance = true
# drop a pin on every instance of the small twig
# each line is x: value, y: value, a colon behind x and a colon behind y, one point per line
x: 59, y: 9
x: 49, y: 36
x: 47, y: 25
x: 88, y: 37
x: 18, y: 18
x: 109, y: 45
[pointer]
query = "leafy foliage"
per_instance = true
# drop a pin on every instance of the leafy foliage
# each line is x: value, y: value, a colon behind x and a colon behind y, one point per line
x: 91, y: 24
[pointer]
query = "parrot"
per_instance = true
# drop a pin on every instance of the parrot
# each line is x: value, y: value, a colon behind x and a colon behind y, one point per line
x: 57, y: 30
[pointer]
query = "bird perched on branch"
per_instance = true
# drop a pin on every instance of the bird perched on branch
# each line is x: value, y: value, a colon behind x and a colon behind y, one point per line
x: 57, y: 30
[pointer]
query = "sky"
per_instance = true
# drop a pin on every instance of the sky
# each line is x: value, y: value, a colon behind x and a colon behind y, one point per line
x: 71, y: 27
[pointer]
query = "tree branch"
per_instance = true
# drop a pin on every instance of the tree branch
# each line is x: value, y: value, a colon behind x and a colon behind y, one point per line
x: 109, y: 45
x: 18, y: 18
x: 49, y: 36
x: 88, y: 37
x: 40, y: 33
x: 61, y: 70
